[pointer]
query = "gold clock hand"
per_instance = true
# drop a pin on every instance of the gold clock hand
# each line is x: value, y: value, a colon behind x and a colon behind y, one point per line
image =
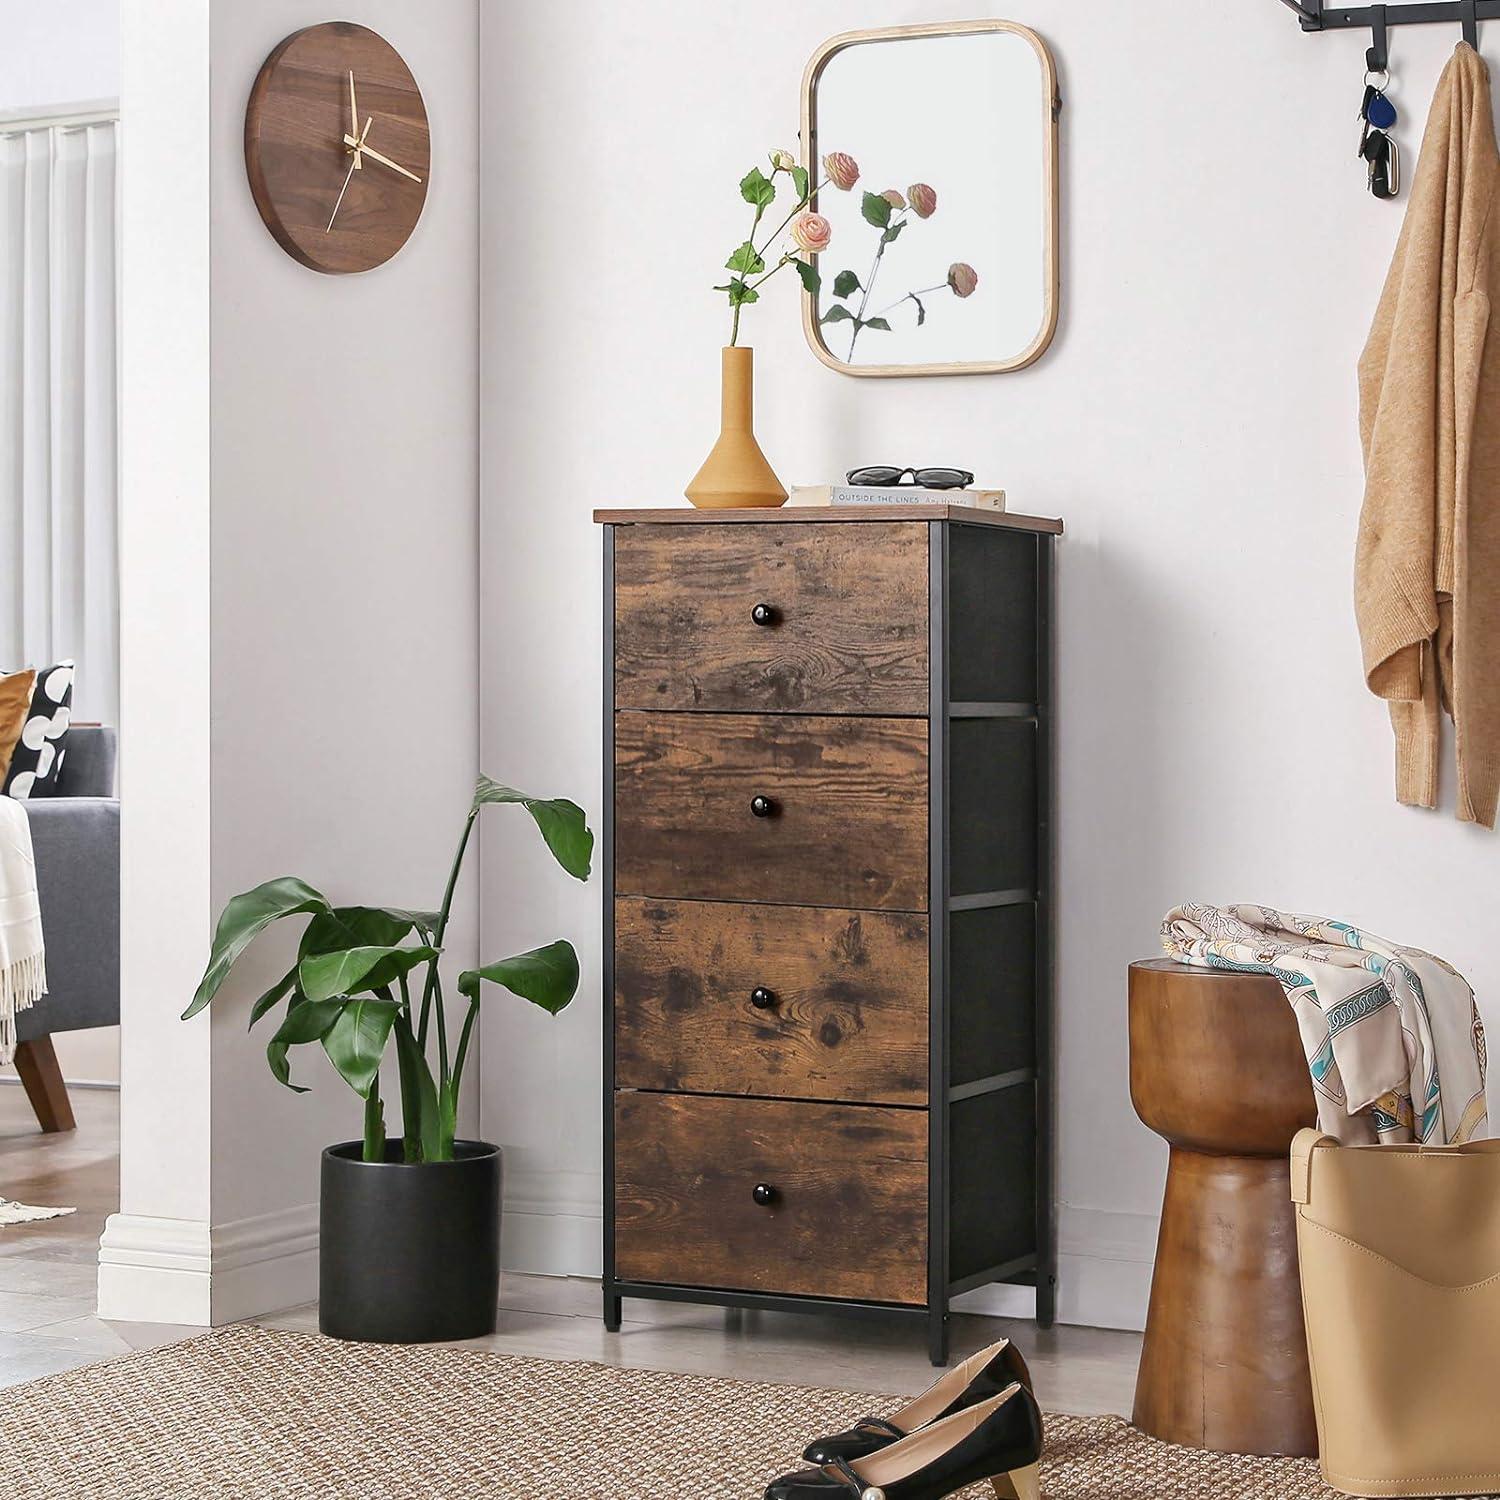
x: 349, y: 174
x: 385, y: 161
x: 353, y: 115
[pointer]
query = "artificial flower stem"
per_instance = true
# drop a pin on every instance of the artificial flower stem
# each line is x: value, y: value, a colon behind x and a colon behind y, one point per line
x: 921, y: 291
x: 864, y: 301
x: 807, y: 198
x: 734, y: 327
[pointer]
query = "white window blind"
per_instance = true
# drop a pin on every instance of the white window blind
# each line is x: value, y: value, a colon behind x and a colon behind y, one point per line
x: 59, y: 591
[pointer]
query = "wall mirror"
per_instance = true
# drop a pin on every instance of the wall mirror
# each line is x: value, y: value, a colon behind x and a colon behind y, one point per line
x: 962, y: 276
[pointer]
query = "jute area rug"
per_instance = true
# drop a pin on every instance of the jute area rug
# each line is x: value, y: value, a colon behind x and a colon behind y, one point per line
x: 251, y: 1413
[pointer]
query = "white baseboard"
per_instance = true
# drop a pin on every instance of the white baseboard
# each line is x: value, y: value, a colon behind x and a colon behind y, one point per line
x: 154, y: 1270
x: 553, y: 1227
x: 552, y: 1224
x: 72, y: 1083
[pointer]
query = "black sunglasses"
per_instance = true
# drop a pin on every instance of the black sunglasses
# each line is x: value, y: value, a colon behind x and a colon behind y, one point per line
x: 931, y: 479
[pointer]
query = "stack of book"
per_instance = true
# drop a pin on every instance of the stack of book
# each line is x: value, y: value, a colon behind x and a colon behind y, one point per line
x: 893, y: 494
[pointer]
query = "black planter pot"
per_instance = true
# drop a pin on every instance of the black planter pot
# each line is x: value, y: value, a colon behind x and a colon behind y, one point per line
x: 409, y: 1254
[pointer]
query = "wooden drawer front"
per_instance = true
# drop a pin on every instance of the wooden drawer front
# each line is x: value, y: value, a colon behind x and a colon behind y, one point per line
x: 849, y: 630
x: 845, y: 1017
x: 849, y: 826
x: 848, y: 1217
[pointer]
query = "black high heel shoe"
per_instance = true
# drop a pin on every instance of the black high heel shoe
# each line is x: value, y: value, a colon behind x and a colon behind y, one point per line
x: 978, y: 1378
x: 1000, y: 1440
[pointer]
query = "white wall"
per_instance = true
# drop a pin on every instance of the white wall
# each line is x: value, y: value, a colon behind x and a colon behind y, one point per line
x: 1194, y: 423
x: 58, y: 52
x: 321, y: 595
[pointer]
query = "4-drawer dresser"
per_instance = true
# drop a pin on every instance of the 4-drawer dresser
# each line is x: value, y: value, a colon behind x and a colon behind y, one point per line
x: 828, y: 923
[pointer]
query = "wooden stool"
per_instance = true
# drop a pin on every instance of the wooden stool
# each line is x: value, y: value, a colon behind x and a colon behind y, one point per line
x: 1217, y: 1069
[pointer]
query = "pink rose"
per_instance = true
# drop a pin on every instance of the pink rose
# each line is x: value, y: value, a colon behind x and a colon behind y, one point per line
x: 894, y: 198
x: 962, y: 278
x: 812, y: 232
x: 923, y: 200
x: 841, y: 169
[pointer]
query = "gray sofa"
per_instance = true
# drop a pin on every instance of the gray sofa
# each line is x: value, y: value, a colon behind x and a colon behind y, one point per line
x: 76, y: 838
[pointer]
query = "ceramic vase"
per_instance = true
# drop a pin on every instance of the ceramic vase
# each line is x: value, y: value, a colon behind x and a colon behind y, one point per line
x: 736, y: 473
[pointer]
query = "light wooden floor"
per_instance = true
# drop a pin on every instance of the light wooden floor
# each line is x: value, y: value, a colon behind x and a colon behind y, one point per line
x: 47, y: 1321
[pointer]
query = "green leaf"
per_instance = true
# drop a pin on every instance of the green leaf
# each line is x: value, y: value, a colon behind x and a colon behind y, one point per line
x: 877, y: 210
x: 746, y: 259
x: 355, y: 1042
x: 418, y: 1087
x: 879, y: 323
x: 352, y: 971
x: 546, y: 976
x: 309, y: 1020
x: 276, y: 1056
x: 243, y: 919
x: 757, y: 188
x: 811, y: 281
x: 892, y: 232
x: 355, y: 927
x: 845, y: 284
x: 283, y: 986
x: 799, y: 181
x: 836, y: 315
x: 921, y: 311
x: 562, y: 823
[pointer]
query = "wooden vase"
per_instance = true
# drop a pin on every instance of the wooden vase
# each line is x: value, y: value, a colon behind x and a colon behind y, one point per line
x: 736, y: 473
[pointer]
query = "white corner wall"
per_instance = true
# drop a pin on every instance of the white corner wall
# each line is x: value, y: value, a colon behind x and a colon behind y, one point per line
x: 1195, y: 423
x: 58, y: 52
x: 300, y: 624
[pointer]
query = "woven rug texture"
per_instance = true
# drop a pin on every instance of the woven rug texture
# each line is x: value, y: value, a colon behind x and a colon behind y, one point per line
x: 248, y: 1413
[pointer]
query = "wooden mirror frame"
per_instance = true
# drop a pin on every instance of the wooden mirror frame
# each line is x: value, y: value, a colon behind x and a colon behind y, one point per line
x: 1051, y: 104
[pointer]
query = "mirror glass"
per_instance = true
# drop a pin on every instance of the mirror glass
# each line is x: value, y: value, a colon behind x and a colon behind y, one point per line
x: 962, y: 276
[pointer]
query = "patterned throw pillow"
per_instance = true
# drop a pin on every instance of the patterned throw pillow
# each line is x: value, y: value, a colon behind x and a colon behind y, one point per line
x: 38, y: 755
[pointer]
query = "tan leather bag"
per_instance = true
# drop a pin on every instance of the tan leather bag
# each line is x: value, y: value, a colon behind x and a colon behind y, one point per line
x: 1400, y: 1254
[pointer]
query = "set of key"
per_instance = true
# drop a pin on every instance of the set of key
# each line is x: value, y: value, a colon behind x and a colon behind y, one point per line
x: 1377, y: 146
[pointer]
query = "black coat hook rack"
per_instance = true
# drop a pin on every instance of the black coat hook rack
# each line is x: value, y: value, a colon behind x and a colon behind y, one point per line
x: 1315, y: 16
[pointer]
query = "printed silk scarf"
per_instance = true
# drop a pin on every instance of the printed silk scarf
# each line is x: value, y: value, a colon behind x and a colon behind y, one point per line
x: 1393, y: 1036
x: 23, y: 974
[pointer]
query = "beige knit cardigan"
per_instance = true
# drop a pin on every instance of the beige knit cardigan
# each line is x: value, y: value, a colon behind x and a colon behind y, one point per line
x: 1427, y: 569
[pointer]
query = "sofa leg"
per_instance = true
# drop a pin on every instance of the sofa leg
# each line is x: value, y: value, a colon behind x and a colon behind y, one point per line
x: 36, y: 1062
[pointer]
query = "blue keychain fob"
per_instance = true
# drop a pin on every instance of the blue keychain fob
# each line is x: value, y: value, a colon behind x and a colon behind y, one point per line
x: 1380, y: 112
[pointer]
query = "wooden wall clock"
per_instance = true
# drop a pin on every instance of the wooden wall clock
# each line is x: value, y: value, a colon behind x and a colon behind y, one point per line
x: 337, y: 147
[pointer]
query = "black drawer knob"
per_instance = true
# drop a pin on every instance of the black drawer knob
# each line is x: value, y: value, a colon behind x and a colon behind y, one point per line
x: 764, y: 1194
x: 762, y: 998
x: 762, y: 807
x: 764, y: 614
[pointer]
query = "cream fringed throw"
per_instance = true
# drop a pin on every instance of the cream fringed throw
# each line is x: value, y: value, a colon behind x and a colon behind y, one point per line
x: 23, y: 971
x: 1393, y: 1037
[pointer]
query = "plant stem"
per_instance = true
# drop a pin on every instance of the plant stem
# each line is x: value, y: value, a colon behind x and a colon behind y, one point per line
x: 463, y: 1044
x: 796, y: 209
x: 921, y: 291
x: 374, y: 1124
x: 869, y: 286
x: 441, y: 928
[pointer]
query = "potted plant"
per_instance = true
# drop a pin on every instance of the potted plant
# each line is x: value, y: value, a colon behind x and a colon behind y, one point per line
x: 410, y: 1224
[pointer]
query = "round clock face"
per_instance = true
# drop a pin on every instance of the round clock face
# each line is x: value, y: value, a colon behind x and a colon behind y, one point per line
x: 337, y: 147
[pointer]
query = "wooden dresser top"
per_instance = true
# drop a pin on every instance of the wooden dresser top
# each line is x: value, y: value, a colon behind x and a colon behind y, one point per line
x: 926, y: 511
